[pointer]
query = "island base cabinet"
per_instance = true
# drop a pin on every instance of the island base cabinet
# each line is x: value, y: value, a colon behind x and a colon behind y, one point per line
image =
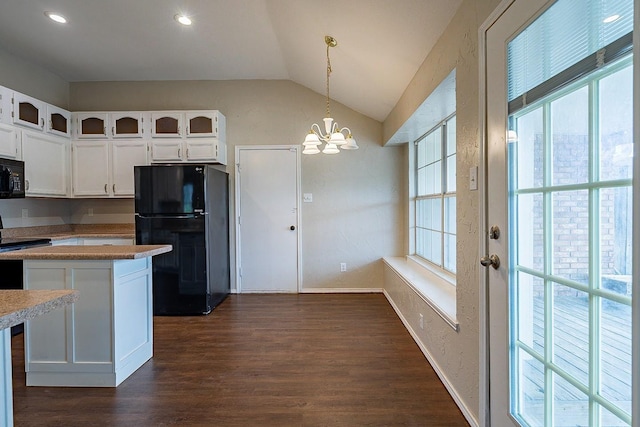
x: 6, y: 387
x: 101, y: 339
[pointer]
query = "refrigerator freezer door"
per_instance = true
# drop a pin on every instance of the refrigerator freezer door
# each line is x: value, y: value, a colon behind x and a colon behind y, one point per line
x: 169, y: 189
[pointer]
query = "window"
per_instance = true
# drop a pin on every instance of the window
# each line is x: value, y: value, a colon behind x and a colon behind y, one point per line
x: 435, y: 178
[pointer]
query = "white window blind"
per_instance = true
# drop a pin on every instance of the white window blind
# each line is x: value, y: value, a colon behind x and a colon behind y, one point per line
x: 540, y: 59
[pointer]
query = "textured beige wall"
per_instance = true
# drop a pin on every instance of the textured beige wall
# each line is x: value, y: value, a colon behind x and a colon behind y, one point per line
x: 357, y: 213
x: 33, y: 80
x: 456, y: 353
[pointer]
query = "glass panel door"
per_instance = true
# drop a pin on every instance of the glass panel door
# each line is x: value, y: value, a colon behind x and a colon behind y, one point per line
x: 569, y: 172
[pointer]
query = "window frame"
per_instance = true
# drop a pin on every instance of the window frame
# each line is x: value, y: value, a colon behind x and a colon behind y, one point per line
x: 443, y: 195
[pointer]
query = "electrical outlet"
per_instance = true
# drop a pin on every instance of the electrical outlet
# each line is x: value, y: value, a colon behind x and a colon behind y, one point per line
x: 25, y: 213
x: 343, y: 266
x: 421, y: 321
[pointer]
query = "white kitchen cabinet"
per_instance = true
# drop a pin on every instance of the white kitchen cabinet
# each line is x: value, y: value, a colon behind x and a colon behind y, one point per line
x: 5, y: 105
x: 201, y: 139
x: 167, y: 124
x: 124, y: 156
x: 202, y: 124
x: 166, y: 150
x: 65, y: 242
x: 46, y: 159
x: 127, y: 124
x: 91, y: 125
x: 96, y: 241
x: 90, y: 168
x: 9, y: 142
x: 58, y: 121
x: 201, y: 150
x: 102, y: 338
x: 107, y: 125
x: 28, y: 111
x: 105, y: 168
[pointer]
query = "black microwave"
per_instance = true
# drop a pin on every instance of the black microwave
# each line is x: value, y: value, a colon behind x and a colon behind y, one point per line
x: 11, y: 179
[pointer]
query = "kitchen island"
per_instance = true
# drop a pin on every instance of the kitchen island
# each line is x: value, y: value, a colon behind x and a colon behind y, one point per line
x: 106, y: 335
x: 17, y: 306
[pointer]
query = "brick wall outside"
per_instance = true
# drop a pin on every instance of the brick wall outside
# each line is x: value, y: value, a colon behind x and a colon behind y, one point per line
x: 570, y: 216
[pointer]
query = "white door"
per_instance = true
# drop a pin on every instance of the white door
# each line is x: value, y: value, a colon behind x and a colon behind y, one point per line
x: 559, y: 190
x: 267, y: 195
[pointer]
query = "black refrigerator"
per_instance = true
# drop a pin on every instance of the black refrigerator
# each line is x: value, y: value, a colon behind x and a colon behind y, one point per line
x: 187, y: 206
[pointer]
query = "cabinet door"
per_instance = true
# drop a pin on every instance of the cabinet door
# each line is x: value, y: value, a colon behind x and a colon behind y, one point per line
x: 91, y: 169
x: 58, y: 121
x: 166, y: 124
x: 202, y: 124
x: 127, y: 125
x: 9, y: 142
x: 28, y: 111
x: 169, y: 150
x: 46, y: 159
x: 202, y: 150
x: 125, y: 155
x: 91, y: 125
x: 5, y: 105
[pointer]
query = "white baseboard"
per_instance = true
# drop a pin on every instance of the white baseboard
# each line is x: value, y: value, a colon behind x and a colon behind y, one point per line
x: 465, y: 411
x: 341, y: 291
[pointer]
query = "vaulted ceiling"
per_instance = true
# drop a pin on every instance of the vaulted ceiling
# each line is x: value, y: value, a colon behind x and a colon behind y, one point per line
x: 381, y: 43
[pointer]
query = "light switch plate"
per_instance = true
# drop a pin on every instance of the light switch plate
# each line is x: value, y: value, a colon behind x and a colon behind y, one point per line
x: 473, y: 178
x: 307, y: 197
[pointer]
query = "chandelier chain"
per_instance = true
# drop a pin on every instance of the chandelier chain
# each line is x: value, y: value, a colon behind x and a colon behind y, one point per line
x: 328, y: 74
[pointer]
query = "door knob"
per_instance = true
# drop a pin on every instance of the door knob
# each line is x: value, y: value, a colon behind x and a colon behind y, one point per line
x: 491, y: 260
x: 293, y: 227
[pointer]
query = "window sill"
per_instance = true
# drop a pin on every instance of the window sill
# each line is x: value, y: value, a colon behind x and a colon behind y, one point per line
x: 437, y: 291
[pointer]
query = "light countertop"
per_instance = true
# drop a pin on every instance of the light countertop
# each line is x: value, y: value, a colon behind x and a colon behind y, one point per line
x: 16, y: 305
x: 88, y: 252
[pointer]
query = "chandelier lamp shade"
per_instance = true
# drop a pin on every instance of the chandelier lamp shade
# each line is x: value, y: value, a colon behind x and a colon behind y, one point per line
x: 333, y: 136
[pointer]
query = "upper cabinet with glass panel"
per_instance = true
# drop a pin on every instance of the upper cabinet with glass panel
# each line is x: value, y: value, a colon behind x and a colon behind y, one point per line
x: 189, y: 124
x: 102, y: 125
x: 35, y: 114
x: 202, y: 124
x: 127, y: 125
x: 184, y: 136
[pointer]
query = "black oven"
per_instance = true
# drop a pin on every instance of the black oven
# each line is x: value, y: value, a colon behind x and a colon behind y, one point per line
x: 11, y: 179
x: 11, y: 270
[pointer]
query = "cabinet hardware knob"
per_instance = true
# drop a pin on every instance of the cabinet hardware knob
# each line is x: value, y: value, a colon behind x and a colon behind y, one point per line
x: 114, y: 189
x: 292, y: 228
x: 26, y: 184
x: 113, y: 130
x: 105, y: 188
x: 42, y: 123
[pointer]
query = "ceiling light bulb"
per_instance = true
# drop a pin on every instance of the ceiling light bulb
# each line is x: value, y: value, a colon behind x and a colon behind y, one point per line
x: 184, y: 20
x: 56, y: 17
x: 610, y: 19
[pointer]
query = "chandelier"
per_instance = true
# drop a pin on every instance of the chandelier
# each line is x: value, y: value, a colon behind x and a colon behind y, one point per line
x: 334, y: 135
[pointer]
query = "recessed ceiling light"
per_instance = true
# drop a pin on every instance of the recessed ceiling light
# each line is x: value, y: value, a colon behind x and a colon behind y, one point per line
x: 56, y: 17
x: 183, y: 19
x: 610, y: 19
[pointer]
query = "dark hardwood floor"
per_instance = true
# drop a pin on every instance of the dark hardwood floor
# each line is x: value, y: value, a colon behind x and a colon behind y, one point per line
x: 262, y: 360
